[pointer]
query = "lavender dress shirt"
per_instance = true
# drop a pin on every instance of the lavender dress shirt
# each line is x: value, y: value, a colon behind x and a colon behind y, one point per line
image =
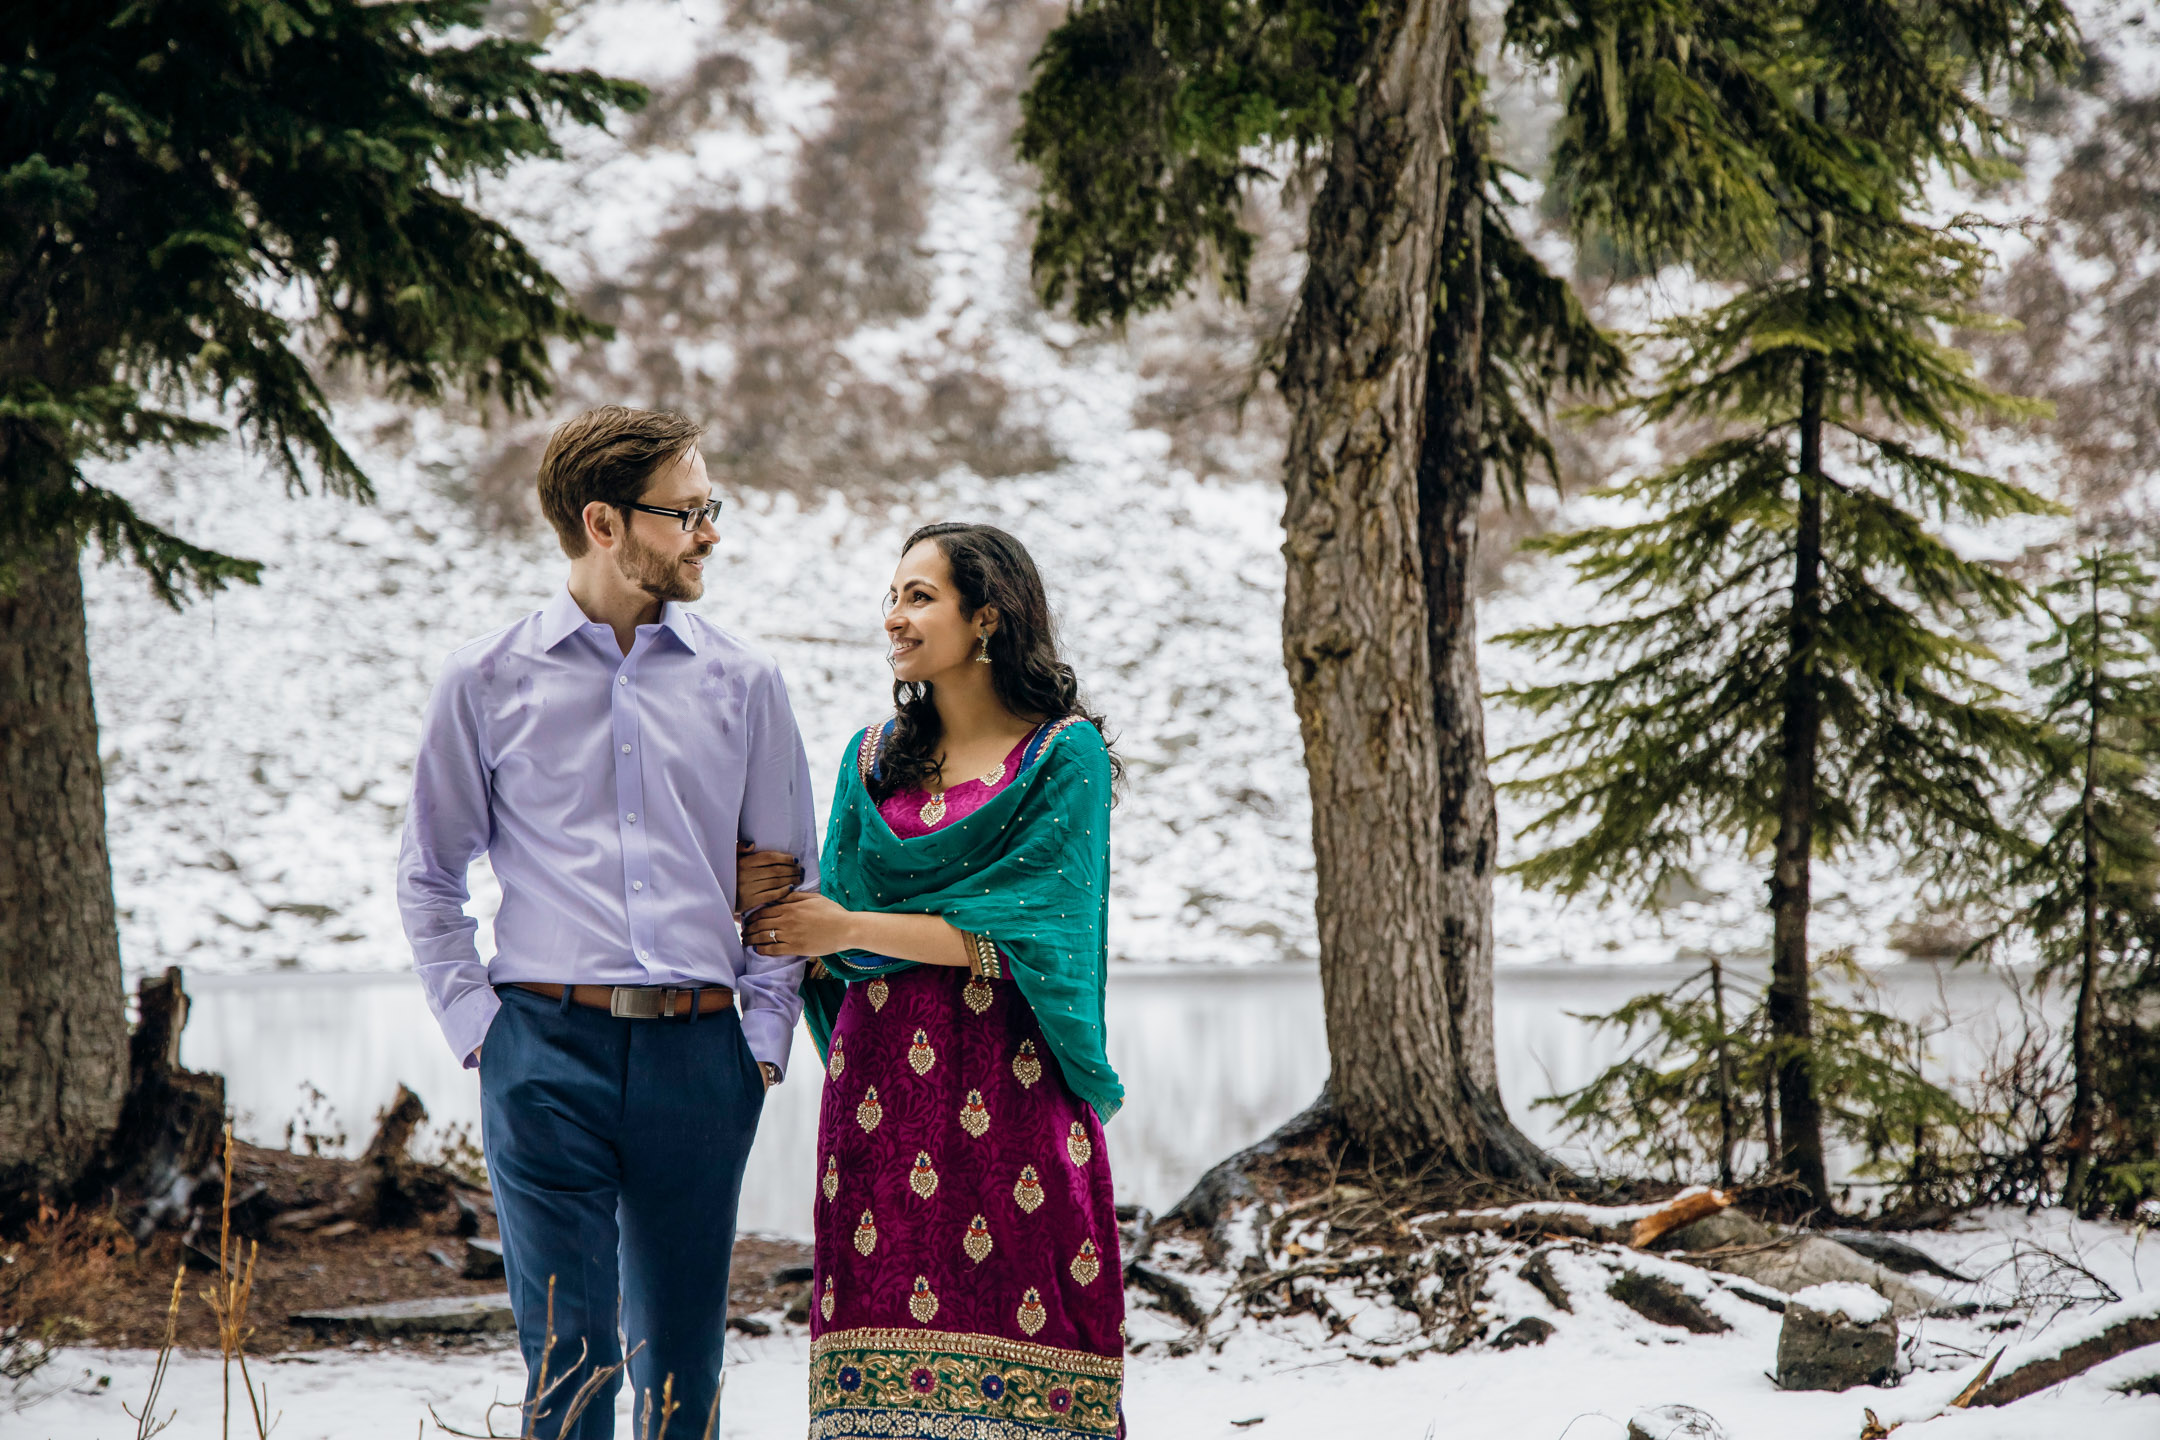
x: 608, y: 791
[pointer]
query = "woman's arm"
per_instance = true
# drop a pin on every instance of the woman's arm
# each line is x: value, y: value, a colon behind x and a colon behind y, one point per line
x: 806, y: 923
x: 925, y: 938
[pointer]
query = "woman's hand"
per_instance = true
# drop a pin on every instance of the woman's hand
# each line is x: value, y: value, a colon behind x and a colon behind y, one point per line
x: 801, y: 922
x: 763, y: 876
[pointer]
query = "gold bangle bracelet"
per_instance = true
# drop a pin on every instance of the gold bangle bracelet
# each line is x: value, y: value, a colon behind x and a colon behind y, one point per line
x: 988, y: 965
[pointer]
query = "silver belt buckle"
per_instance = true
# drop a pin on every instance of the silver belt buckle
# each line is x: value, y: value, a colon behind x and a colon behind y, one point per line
x: 641, y: 1002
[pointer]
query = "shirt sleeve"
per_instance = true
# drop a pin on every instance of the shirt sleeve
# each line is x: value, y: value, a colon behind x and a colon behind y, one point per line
x: 446, y: 828
x: 776, y: 815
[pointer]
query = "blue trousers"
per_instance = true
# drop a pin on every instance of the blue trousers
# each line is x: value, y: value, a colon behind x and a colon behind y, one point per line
x: 616, y: 1150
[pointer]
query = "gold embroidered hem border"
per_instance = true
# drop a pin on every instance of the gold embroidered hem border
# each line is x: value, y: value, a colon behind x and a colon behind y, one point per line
x: 930, y: 1383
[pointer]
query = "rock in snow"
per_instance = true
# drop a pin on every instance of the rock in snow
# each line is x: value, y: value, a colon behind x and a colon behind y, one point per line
x: 1675, y: 1422
x: 1836, y: 1336
x: 1530, y: 1330
x: 1854, y: 1301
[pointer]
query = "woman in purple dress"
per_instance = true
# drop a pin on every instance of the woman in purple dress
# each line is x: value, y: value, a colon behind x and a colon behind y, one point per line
x: 967, y: 1279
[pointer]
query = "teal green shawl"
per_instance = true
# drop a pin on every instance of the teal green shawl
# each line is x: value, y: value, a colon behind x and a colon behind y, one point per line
x: 1030, y: 869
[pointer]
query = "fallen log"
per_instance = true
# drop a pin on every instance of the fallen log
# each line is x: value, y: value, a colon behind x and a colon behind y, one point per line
x: 2110, y: 1331
x: 1685, y: 1210
x: 1528, y: 1222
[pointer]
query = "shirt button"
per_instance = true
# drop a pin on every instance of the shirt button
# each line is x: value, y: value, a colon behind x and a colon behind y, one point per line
x: 637, y: 884
x: 626, y: 749
x: 644, y: 954
x: 632, y: 817
x: 622, y: 679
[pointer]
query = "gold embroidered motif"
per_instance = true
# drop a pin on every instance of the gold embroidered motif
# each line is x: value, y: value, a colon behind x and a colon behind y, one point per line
x: 866, y: 1235
x: 1029, y: 1192
x: 920, y: 1055
x: 1032, y: 1315
x: 1027, y: 1067
x: 1077, y: 1144
x: 923, y: 1303
x: 922, y: 1179
x: 831, y: 1184
x: 869, y: 1112
x: 824, y: 1303
x: 838, y: 1063
x: 974, y: 1117
x: 1087, y: 1264
x: 878, y: 991
x: 977, y: 1240
x: 977, y: 995
x: 933, y: 810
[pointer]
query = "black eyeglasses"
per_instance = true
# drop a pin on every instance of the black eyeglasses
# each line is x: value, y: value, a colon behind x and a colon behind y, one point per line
x: 690, y: 519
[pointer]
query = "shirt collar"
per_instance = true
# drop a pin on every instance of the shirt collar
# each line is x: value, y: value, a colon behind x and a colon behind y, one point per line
x: 563, y: 617
x: 677, y: 619
x: 560, y: 618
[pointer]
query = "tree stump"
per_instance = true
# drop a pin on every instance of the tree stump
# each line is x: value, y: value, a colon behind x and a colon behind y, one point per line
x: 395, y: 1189
x: 171, y: 1121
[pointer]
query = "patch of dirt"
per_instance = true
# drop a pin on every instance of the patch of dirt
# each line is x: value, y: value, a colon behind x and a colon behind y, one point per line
x: 81, y: 1277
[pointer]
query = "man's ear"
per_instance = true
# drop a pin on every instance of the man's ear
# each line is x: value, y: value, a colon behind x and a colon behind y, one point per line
x: 603, y: 525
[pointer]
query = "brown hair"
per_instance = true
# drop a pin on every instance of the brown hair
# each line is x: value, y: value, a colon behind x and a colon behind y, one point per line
x: 608, y: 455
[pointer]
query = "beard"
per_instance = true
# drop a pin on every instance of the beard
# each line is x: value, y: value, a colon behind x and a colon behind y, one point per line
x: 659, y: 575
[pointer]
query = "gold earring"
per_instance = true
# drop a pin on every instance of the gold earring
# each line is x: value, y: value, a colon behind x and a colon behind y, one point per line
x: 982, y: 656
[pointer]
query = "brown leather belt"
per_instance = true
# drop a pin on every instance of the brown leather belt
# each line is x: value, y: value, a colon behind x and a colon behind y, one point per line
x: 638, y: 1002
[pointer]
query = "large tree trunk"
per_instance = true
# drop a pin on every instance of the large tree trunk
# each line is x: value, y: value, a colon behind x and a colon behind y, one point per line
x: 63, y: 1016
x: 1788, y: 1002
x: 1450, y: 491
x: 1402, y: 812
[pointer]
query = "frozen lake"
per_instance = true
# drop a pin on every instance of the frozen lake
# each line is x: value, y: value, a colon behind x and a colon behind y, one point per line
x: 1212, y: 1058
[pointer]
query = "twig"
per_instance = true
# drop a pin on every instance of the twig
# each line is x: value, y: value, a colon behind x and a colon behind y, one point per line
x: 229, y: 1304
x: 146, y: 1423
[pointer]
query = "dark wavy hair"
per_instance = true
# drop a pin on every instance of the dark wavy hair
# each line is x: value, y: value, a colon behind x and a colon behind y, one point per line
x: 989, y: 567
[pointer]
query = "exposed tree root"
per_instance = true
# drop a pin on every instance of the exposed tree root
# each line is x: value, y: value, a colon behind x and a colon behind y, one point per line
x: 1312, y: 1160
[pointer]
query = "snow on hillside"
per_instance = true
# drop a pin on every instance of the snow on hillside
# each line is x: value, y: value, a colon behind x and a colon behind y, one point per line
x: 257, y: 745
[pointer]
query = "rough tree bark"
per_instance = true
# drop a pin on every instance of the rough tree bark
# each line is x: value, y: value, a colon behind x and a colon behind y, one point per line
x: 63, y: 1015
x: 1382, y: 480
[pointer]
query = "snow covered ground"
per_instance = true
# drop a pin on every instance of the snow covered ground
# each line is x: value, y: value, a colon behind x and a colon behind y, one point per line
x: 1603, y: 1365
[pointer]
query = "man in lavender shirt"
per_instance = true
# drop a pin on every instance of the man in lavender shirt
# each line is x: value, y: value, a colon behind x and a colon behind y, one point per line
x: 610, y: 752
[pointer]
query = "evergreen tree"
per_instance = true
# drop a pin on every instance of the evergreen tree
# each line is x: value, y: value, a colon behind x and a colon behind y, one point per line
x: 1424, y: 343
x: 1792, y: 667
x: 206, y: 202
x: 2094, y: 878
x: 1680, y: 1097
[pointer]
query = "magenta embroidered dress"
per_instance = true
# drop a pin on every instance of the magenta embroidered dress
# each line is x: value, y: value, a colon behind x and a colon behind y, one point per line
x: 967, y: 1279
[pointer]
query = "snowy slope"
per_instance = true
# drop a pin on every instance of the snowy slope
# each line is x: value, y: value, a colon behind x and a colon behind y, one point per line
x: 257, y: 745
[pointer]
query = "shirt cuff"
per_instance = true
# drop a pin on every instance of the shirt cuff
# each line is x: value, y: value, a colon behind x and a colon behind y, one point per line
x: 771, y: 1036
x: 465, y: 1022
